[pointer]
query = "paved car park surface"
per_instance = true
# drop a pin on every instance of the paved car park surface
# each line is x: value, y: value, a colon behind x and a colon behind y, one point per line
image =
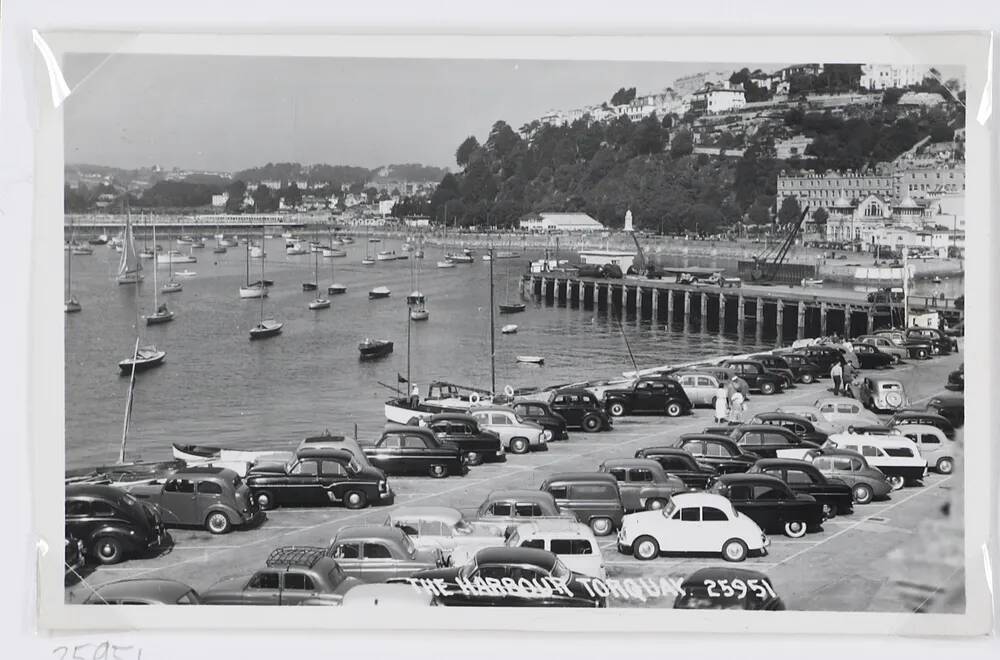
x: 843, y: 567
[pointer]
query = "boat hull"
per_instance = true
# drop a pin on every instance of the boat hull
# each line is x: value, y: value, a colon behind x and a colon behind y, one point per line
x: 265, y: 330
x: 253, y: 292
x: 72, y: 306
x: 373, y: 350
x: 336, y: 289
x: 319, y: 303
x: 512, y: 308
x: 419, y: 315
x: 142, y: 363
x: 308, y: 286
x: 156, y: 319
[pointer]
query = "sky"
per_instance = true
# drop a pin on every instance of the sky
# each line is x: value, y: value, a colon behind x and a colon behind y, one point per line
x: 224, y: 113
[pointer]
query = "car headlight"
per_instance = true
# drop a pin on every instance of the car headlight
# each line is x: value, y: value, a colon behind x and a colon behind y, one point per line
x: 546, y: 435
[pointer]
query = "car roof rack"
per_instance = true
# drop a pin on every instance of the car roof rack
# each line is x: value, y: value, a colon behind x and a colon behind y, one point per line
x: 296, y: 555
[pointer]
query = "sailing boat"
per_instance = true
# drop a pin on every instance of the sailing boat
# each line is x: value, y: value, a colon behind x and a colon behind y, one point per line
x: 334, y: 287
x: 219, y: 247
x: 143, y: 357
x: 129, y: 269
x: 146, y: 252
x: 368, y: 261
x: 162, y: 314
x: 416, y: 299
x: 255, y: 289
x: 269, y: 327
x: 71, y: 303
x: 312, y: 286
x: 509, y: 307
x: 172, y: 285
x: 318, y: 303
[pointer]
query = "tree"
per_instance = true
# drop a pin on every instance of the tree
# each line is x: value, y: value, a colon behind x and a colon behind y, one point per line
x: 790, y: 210
x: 649, y: 136
x: 759, y: 213
x: 820, y: 216
x: 623, y: 96
x: 891, y: 96
x: 291, y: 194
x: 465, y: 150
x: 682, y: 144
x: 236, y: 191
x: 264, y: 199
x: 502, y: 139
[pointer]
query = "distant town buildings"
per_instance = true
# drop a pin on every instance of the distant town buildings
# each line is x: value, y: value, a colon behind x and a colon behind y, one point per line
x: 718, y: 98
x: 568, y: 222
x: 885, y: 76
x: 692, y: 83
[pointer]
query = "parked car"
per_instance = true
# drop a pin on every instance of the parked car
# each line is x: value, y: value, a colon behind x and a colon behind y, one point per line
x: 896, y: 351
x: 770, y: 441
x: 443, y: 528
x: 881, y: 393
x: 387, y: 596
x: 75, y: 558
x: 941, y: 344
x: 292, y: 574
x: 476, y: 442
x: 512, y: 507
x: 810, y: 413
x: 146, y: 591
x: 210, y: 497
x: 867, y: 483
x: 540, y: 413
x: 724, y: 588
x: 719, y: 373
x: 797, y: 424
x: 934, y: 446
x: 951, y: 406
x: 680, y: 464
x: 795, y: 371
x: 897, y: 457
x: 824, y: 357
x: 375, y: 553
x: 918, y: 348
x: 757, y: 376
x: 871, y: 357
x: 956, y: 379
x: 412, y: 450
x: 592, y: 497
x: 318, y: 477
x: 776, y: 365
x: 500, y: 577
x: 326, y: 440
x: 802, y: 476
x: 517, y: 435
x: 642, y: 482
x: 904, y: 417
x: 700, y: 388
x: 771, y: 503
x: 581, y: 409
x: 844, y: 411
x: 692, y: 522
x: 112, y: 524
x: 718, y: 452
x: 648, y: 395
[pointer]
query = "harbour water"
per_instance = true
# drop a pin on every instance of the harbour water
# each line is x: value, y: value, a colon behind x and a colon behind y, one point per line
x: 219, y: 388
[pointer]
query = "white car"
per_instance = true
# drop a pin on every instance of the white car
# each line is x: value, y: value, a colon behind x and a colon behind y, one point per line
x: 391, y: 596
x: 939, y: 452
x: 845, y: 411
x: 444, y: 529
x: 517, y: 435
x: 895, y: 455
x: 819, y: 422
x: 573, y: 542
x: 691, y: 522
x: 700, y: 388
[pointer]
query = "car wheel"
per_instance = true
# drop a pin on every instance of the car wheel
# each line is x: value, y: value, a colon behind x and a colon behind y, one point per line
x: 616, y: 409
x: 674, y: 409
x: 734, y: 550
x: 645, y: 548
x: 829, y: 511
x: 862, y: 494
x: 602, y: 526
x: 808, y: 379
x: 519, y: 446
x: 108, y: 550
x: 795, y: 529
x: 591, y: 423
x: 922, y: 354
x: 355, y: 499
x: 655, y: 504
x: 438, y: 471
x: 218, y: 523
x: 945, y: 466
x: 767, y: 388
x: 473, y: 458
x: 897, y: 482
x: 265, y: 500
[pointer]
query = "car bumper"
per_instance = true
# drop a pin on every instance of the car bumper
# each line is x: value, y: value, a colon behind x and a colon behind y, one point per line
x: 388, y: 497
x: 251, y: 518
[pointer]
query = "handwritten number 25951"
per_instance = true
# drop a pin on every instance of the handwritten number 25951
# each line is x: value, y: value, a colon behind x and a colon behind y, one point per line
x: 102, y: 651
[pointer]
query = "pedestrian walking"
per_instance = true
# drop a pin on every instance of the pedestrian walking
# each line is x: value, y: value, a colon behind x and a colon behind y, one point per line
x: 736, y: 406
x: 837, y: 375
x: 721, y: 404
x: 414, y: 395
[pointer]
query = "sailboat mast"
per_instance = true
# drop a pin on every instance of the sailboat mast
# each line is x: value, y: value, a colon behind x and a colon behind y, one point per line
x: 156, y: 267
x: 262, y: 230
x: 128, y: 401
x: 493, y: 339
x: 248, y: 261
x: 409, y: 322
x: 69, y: 263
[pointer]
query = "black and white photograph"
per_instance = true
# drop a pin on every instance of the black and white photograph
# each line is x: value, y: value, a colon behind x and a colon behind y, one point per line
x: 640, y: 335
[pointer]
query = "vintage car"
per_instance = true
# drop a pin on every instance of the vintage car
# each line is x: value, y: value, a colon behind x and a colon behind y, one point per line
x: 833, y: 494
x: 292, y: 574
x: 718, y: 452
x: 881, y: 393
x: 819, y: 422
x: 443, y: 528
x: 540, y: 413
x: 144, y: 592
x: 210, y: 497
x: 326, y: 440
x: 412, y: 450
x: 512, y: 507
x: 771, y: 503
x: 375, y: 553
x: 719, y: 373
x: 770, y: 441
x: 956, y: 379
x: 724, y: 588
x: 642, y: 482
x: 805, y: 370
x: 824, y: 357
x: 592, y: 497
x: 934, y: 446
x: 917, y: 347
x: 517, y: 435
x: 867, y: 483
x: 844, y: 411
x: 111, y: 524
x: 581, y: 409
x: 390, y: 596
x: 476, y: 441
x: 904, y: 417
x: 897, y: 457
x: 776, y: 363
x: 951, y: 406
x: 896, y: 351
x: 681, y: 527
x: 797, y: 424
x: 661, y: 395
x: 317, y: 477
x: 511, y: 577
x: 700, y: 388
x: 681, y: 464
x: 941, y: 344
x: 871, y: 357
x: 757, y: 376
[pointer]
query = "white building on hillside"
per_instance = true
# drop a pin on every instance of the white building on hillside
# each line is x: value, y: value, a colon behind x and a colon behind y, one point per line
x: 718, y: 99
x: 884, y: 76
x: 552, y: 222
x: 220, y: 199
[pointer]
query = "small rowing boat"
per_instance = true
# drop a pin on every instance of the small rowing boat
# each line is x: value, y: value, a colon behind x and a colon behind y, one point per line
x: 374, y: 348
x: 509, y: 329
x: 531, y: 359
x: 379, y: 292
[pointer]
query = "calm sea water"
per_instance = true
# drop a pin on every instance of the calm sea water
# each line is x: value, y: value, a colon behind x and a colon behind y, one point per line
x: 219, y: 388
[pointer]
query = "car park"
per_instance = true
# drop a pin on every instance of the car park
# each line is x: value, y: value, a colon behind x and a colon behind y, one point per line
x: 776, y: 364
x: 317, y: 477
x: 509, y: 508
x: 700, y: 388
x: 517, y: 435
x: 443, y: 528
x: 898, y: 458
x: 725, y: 588
x: 844, y: 411
x: 904, y: 417
x: 771, y: 503
x: 867, y: 483
x: 692, y: 522
x: 573, y: 542
x: 770, y: 441
x: 950, y: 405
x: 581, y: 409
x: 478, y: 443
x: 642, y: 482
x: 802, y: 476
x: 111, y: 524
x: 934, y: 446
x: 720, y: 453
x: 291, y: 575
x: 719, y: 373
x: 882, y: 394
x: 376, y: 553
x: 681, y: 464
x: 412, y: 450
x: 758, y: 378
x: 648, y: 395
x: 146, y: 591
x: 214, y: 498
x: 540, y: 413
x: 870, y: 357
x: 896, y: 351
x: 797, y: 424
x: 916, y: 347
x: 593, y: 497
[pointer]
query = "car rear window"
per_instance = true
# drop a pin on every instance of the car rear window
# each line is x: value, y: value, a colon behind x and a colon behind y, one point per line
x: 594, y: 491
x: 571, y: 547
x: 899, y: 452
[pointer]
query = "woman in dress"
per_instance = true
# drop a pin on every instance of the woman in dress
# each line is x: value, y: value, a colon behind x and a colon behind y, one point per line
x: 721, y: 404
x: 736, y: 405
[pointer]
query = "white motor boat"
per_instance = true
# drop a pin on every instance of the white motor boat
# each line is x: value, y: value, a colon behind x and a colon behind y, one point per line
x: 445, y: 264
x: 379, y: 292
x: 185, y: 273
x: 253, y: 291
x: 175, y: 257
x: 509, y: 329
x: 531, y: 359
x: 386, y: 256
x: 330, y: 252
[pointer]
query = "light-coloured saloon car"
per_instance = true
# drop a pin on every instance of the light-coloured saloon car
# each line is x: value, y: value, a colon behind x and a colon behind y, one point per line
x: 845, y: 411
x: 445, y: 529
x: 517, y: 435
x: 700, y: 388
x: 935, y: 447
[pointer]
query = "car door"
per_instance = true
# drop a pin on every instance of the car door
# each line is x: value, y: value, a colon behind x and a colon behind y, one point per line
x: 715, y: 528
x: 690, y: 536
x: 629, y: 490
x: 332, y: 476
x: 501, y: 423
x: 178, y: 502
x: 303, y: 482
x: 417, y: 456
x: 705, y: 387
x: 348, y: 556
x: 297, y: 587
x: 562, y: 405
x: 387, y: 454
x: 644, y: 397
x: 208, y: 494
x: 377, y: 562
x: 79, y: 521
x: 264, y: 588
x: 769, y: 503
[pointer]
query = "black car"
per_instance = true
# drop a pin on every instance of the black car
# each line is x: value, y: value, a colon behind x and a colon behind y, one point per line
x: 509, y: 577
x: 777, y: 365
x: 757, y: 376
x: 766, y: 440
x: 823, y: 357
x: 540, y: 413
x: 941, y: 344
x: 476, y: 444
x: 835, y: 496
x: 648, y: 395
x: 317, y: 477
x: 111, y: 524
x: 681, y: 464
x: 956, y: 380
x: 797, y: 424
x: 724, y: 588
x: 411, y: 450
x: 924, y: 417
x: 75, y: 558
x: 581, y: 409
x: 802, y: 370
x: 770, y: 503
x: 951, y: 406
x: 717, y: 452
x: 870, y: 357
